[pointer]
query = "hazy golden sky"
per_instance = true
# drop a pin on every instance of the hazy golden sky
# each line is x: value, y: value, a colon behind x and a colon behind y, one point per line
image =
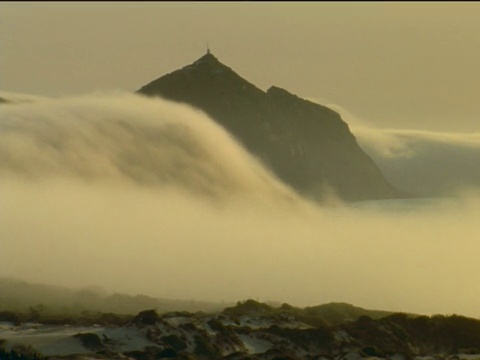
x: 394, y: 65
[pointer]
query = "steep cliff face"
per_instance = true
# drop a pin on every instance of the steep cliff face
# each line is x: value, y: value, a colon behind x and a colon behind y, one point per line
x: 306, y: 145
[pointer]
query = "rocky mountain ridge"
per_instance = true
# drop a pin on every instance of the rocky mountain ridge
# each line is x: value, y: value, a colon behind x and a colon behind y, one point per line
x: 305, y: 144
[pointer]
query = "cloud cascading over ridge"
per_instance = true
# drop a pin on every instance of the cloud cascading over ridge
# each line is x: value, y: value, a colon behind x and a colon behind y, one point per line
x: 425, y: 163
x: 127, y: 138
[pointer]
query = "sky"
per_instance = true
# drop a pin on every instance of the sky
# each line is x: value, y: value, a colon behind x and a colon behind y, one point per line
x: 399, y: 65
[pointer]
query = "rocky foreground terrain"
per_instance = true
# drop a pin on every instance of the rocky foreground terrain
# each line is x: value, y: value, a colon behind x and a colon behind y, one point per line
x: 250, y: 330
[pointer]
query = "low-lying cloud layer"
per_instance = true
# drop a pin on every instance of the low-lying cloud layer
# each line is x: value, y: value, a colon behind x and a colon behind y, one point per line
x: 126, y: 138
x: 146, y: 196
x: 425, y: 163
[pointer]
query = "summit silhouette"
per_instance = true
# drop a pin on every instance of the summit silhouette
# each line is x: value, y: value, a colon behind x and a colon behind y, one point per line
x: 305, y: 144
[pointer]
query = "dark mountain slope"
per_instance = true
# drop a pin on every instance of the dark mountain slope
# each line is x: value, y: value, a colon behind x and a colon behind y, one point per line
x: 306, y: 145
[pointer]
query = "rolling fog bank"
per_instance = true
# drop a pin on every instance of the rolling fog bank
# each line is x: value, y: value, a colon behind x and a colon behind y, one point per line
x: 149, y: 197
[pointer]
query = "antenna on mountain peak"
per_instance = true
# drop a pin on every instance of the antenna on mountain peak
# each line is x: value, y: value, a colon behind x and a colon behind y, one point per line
x: 208, y: 48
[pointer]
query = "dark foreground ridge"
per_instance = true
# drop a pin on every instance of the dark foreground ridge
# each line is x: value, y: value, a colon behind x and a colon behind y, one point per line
x: 252, y: 330
x: 306, y: 145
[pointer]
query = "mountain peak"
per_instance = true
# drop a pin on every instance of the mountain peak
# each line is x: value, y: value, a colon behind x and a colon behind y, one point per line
x: 205, y: 78
x: 207, y: 63
x: 306, y: 145
x: 208, y: 57
x: 280, y: 92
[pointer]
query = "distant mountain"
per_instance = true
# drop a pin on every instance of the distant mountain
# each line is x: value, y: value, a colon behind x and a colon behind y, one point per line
x: 321, y: 315
x: 340, y: 313
x: 20, y: 296
x: 306, y: 145
x: 48, y: 300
